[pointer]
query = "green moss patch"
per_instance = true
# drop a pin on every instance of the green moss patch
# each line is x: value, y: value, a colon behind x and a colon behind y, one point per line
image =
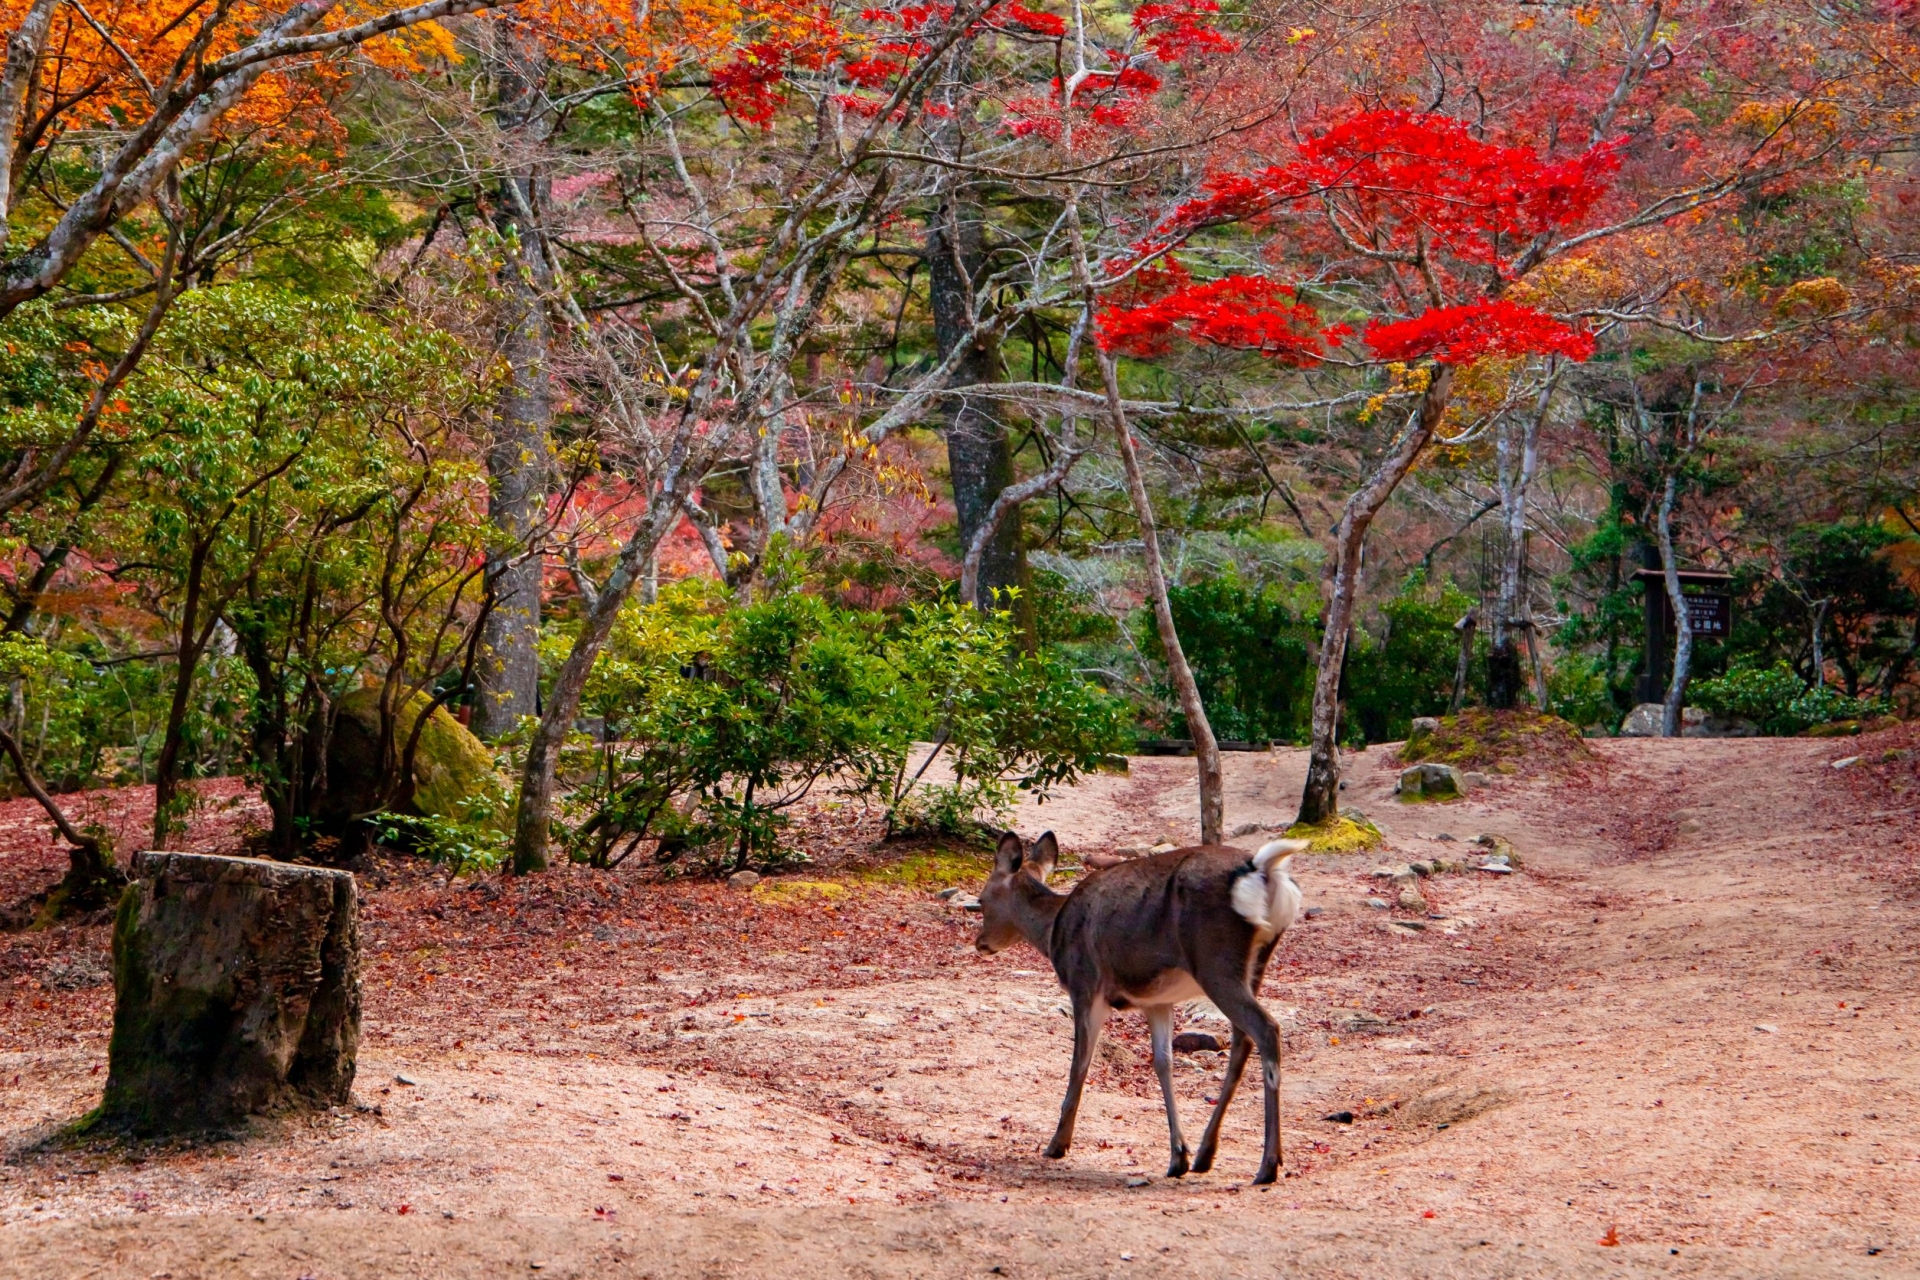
x: 1340, y: 834
x: 449, y: 766
x: 788, y: 893
x: 1507, y: 742
x: 934, y: 868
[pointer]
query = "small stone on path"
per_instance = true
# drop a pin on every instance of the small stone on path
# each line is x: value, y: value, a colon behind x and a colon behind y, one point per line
x: 744, y: 879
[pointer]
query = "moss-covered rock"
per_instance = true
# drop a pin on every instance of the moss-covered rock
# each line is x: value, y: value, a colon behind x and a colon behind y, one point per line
x: 1505, y: 742
x: 1427, y: 782
x: 450, y: 765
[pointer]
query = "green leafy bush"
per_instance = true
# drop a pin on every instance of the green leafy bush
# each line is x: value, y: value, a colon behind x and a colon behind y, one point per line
x: 1778, y: 700
x: 475, y: 836
x: 1578, y: 692
x: 718, y: 719
x: 1003, y: 720
x: 1403, y: 666
x: 1248, y: 651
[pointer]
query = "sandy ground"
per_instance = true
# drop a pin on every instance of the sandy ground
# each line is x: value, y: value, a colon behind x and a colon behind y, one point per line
x: 1686, y: 1026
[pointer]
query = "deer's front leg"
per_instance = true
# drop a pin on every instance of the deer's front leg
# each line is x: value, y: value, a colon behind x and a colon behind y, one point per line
x: 1089, y: 1019
x: 1237, y: 1050
x: 1160, y: 1022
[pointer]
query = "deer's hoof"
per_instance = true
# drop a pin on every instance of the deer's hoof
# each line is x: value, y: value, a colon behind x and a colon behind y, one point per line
x: 1055, y: 1150
x: 1178, y: 1168
x: 1268, y: 1174
x: 1203, y: 1163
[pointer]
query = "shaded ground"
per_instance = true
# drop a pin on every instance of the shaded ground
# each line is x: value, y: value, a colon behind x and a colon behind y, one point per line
x: 1686, y: 1025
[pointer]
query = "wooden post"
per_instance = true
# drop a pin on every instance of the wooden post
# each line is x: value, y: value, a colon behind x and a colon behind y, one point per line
x: 1465, y: 628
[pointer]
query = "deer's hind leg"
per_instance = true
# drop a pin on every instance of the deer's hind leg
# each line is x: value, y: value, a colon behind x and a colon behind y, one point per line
x: 1237, y: 1051
x: 1089, y: 1019
x: 1231, y: 989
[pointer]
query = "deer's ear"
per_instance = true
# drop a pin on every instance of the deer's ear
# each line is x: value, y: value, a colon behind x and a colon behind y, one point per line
x: 1006, y: 859
x: 1042, y: 857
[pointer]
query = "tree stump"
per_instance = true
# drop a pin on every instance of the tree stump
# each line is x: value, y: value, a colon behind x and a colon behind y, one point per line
x: 236, y: 992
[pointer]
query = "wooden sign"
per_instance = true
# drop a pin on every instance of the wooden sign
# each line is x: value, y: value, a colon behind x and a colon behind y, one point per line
x: 1711, y: 615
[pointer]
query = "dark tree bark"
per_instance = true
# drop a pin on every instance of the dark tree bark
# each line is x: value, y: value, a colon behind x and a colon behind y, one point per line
x: 507, y: 675
x: 1320, y: 799
x: 979, y: 456
x: 236, y: 993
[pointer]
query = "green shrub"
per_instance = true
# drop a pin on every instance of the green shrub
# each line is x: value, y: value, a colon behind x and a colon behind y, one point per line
x: 718, y: 719
x: 1004, y: 720
x: 1248, y: 651
x: 1578, y: 693
x: 1403, y: 666
x: 1778, y: 700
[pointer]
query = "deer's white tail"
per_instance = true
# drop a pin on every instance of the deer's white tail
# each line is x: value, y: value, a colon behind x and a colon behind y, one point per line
x: 1266, y: 897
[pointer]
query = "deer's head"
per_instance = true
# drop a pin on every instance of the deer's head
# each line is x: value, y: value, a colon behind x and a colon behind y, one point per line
x: 1008, y: 911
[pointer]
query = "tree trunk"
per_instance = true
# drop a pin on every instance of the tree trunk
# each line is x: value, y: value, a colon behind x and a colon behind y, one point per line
x: 1466, y: 629
x: 507, y: 675
x: 166, y: 771
x: 1517, y: 461
x: 92, y: 880
x: 1819, y: 680
x: 1206, y: 750
x: 533, y: 816
x: 1682, y: 625
x: 979, y: 457
x: 1320, y: 799
x: 270, y: 738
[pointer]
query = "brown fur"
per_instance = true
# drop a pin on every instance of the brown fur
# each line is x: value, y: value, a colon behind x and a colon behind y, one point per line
x: 1128, y: 936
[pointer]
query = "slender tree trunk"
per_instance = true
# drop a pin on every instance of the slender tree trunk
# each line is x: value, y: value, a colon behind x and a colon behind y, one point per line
x: 1518, y: 459
x: 1466, y: 629
x: 1206, y: 749
x: 1819, y: 654
x: 166, y: 771
x: 269, y: 737
x: 979, y: 457
x: 1320, y: 799
x: 92, y: 878
x: 1682, y: 625
x: 533, y: 817
x: 507, y: 677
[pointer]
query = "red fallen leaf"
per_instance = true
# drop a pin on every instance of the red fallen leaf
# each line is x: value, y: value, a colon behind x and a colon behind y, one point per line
x: 616, y: 1177
x: 1612, y: 1237
x: 603, y: 1213
x: 1427, y: 1214
x: 404, y: 1209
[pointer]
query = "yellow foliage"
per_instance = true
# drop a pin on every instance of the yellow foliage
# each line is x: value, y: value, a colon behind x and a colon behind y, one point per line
x: 1822, y: 296
x: 1403, y: 381
x: 1571, y: 284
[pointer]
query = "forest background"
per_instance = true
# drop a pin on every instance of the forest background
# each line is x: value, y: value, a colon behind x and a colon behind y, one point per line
x: 704, y: 401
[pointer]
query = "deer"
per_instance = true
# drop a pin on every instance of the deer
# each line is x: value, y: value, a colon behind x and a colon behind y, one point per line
x: 1148, y: 934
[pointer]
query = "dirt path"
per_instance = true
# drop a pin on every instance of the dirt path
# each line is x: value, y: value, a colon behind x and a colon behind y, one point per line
x: 1686, y: 1026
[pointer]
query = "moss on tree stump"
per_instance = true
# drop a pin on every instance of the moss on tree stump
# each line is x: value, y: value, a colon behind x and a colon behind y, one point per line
x: 236, y: 992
